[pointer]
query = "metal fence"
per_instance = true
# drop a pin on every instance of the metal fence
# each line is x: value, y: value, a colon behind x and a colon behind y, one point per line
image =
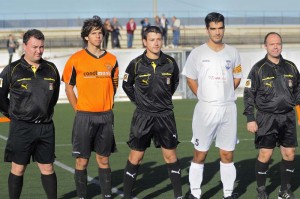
x: 190, y: 36
x: 185, y: 21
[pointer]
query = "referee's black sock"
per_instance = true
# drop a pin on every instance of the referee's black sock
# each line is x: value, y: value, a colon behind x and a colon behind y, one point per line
x: 287, y: 169
x: 130, y: 174
x: 175, y: 177
x: 81, y: 183
x: 50, y: 185
x: 105, y: 182
x: 261, y: 170
x: 15, y: 185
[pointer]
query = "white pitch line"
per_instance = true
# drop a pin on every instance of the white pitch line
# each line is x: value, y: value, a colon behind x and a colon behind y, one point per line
x: 71, y: 170
x: 3, y: 137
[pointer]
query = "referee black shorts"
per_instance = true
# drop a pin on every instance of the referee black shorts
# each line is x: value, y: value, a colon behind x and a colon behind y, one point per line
x: 147, y: 126
x: 36, y: 140
x: 93, y: 131
x: 276, y: 130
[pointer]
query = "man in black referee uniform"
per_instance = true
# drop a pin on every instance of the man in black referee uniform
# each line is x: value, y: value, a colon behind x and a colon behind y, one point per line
x: 29, y: 90
x: 273, y: 89
x: 150, y: 80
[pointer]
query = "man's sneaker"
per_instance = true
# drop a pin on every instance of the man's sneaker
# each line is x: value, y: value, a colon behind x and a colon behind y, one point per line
x: 191, y: 196
x: 233, y: 196
x: 261, y: 193
x: 286, y: 194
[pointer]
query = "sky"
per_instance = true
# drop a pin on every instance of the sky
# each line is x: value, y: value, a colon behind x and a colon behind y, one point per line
x: 34, y: 9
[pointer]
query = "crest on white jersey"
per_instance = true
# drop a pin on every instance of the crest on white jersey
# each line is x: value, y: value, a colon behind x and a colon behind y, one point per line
x: 228, y: 64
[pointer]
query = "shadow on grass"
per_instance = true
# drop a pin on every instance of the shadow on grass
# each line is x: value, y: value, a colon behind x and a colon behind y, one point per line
x: 150, y: 176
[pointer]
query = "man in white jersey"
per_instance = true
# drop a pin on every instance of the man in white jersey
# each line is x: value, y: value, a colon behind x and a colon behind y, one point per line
x: 213, y: 71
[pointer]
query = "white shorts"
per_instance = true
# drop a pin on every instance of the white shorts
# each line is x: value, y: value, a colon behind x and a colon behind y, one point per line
x: 217, y: 123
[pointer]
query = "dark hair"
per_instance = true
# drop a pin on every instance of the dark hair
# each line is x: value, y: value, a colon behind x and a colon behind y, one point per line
x: 271, y: 33
x: 154, y: 29
x: 33, y: 33
x: 214, y: 17
x: 89, y: 25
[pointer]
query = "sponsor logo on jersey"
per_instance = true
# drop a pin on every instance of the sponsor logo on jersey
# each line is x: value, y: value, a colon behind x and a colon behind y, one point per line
x: 248, y: 83
x: 1, y: 82
x: 125, y: 78
x: 97, y: 74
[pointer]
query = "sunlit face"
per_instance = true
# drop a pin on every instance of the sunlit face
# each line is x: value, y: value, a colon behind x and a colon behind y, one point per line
x: 153, y: 43
x: 215, y: 32
x: 34, y: 50
x: 95, y: 37
x: 273, y: 46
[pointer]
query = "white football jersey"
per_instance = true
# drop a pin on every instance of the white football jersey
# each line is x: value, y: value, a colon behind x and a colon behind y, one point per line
x: 214, y: 72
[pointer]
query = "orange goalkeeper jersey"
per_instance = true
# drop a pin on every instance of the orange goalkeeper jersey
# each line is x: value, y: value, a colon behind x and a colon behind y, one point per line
x: 96, y: 80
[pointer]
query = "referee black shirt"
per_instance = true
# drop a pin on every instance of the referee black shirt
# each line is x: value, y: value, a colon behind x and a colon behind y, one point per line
x: 271, y: 88
x: 29, y: 95
x: 150, y: 84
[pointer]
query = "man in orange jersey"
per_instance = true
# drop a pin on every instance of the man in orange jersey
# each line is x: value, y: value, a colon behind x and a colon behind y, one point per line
x: 94, y: 72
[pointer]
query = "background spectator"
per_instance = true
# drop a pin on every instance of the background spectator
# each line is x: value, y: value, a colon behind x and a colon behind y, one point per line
x: 164, y: 24
x: 108, y: 30
x: 11, y: 47
x: 145, y: 23
x: 176, y: 31
x: 115, y: 42
x: 130, y: 27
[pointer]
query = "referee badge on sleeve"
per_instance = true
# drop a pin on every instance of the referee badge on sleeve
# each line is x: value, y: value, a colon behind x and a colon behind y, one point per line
x: 248, y: 83
x: 290, y: 83
x: 51, y: 86
x: 1, y: 82
x: 168, y: 80
x: 125, y: 78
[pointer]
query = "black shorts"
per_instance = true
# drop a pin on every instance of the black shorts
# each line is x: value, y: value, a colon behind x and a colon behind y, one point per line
x: 160, y: 127
x: 93, y: 132
x: 27, y: 140
x: 276, y: 130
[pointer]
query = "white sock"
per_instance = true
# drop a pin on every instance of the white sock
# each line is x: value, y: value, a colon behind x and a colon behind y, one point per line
x: 228, y: 175
x: 195, y: 178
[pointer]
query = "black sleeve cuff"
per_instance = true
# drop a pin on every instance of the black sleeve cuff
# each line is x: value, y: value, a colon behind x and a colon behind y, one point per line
x: 250, y: 118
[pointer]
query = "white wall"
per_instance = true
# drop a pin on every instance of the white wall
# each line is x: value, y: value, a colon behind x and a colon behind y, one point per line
x: 249, y: 56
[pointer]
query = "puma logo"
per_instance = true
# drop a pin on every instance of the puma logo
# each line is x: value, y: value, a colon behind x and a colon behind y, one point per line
x: 24, y: 86
x: 262, y: 173
x: 269, y: 84
x: 131, y: 175
x: 145, y: 81
x: 178, y: 172
x: 289, y: 170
